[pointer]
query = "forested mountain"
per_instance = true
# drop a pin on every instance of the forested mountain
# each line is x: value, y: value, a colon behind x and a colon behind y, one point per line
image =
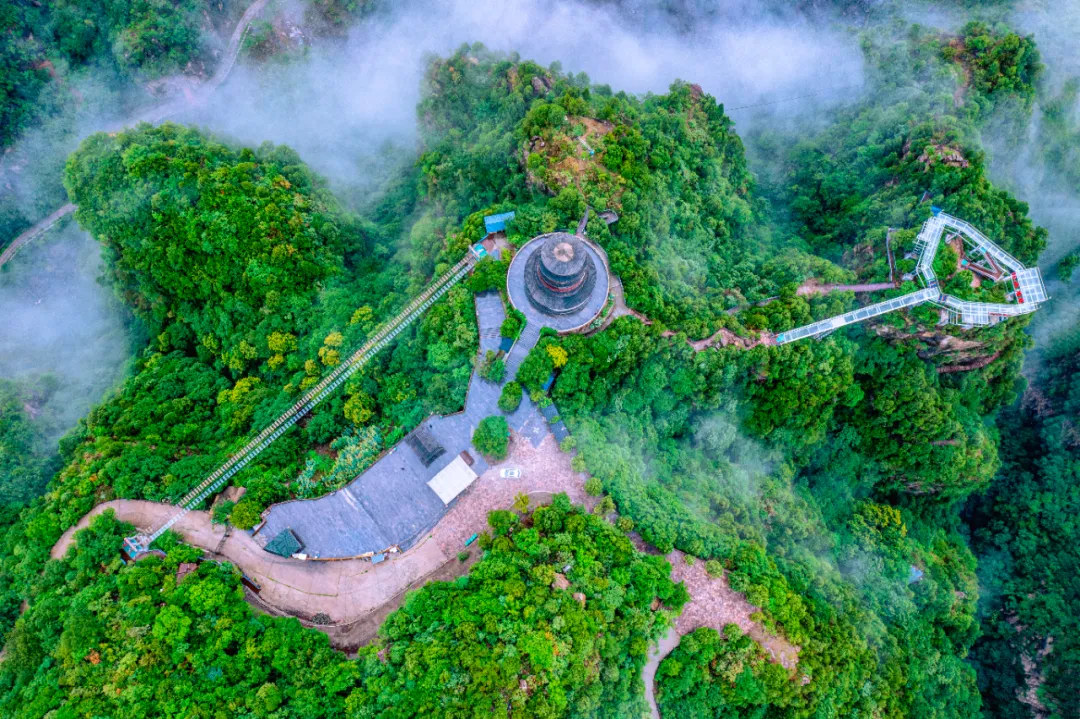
x: 137, y: 641
x: 825, y: 478
x: 1025, y: 534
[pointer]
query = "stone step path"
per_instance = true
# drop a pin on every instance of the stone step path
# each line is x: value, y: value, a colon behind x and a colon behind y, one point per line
x: 528, y: 339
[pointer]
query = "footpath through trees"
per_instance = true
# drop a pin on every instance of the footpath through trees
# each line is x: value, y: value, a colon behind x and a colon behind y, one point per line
x: 357, y: 595
x: 154, y: 115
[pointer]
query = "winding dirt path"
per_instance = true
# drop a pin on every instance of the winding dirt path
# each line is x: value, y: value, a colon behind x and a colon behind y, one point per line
x: 344, y: 590
x: 350, y: 590
x: 813, y: 288
x: 232, y: 52
x: 657, y: 654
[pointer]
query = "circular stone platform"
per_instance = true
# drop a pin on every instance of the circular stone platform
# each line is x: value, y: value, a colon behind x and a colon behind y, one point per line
x: 558, y: 280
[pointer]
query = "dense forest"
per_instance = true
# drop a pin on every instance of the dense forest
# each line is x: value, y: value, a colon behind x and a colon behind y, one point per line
x: 1025, y: 534
x: 151, y: 639
x: 894, y: 499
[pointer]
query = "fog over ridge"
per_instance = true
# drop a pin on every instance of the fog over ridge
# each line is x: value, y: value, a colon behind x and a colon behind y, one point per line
x: 349, y: 100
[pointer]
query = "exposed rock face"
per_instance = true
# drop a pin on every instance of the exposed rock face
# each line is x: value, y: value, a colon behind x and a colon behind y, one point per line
x: 974, y: 364
x: 185, y: 569
x: 954, y: 354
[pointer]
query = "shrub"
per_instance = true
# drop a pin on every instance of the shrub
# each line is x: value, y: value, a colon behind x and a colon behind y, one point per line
x: 568, y: 444
x: 492, y: 437
x: 492, y: 368
x: 463, y: 555
x: 559, y: 356
x: 220, y: 513
x: 513, y: 324
x: 536, y: 369
x: 714, y: 568
x: 510, y: 398
x: 593, y: 486
x: 489, y: 274
x: 625, y: 524
x: 245, y: 514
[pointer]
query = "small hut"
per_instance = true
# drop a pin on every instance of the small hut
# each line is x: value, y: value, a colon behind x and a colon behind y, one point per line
x: 285, y: 544
x: 425, y: 445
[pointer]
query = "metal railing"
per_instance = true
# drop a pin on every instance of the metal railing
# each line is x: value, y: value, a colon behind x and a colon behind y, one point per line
x: 1028, y: 283
x: 863, y: 313
x: 982, y: 242
x: 440, y: 286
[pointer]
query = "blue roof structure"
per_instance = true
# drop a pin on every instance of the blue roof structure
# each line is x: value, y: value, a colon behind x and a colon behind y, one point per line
x: 550, y: 381
x: 497, y: 223
x: 285, y: 544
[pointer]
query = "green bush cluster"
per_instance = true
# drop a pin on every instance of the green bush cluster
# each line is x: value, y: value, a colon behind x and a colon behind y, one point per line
x: 510, y: 397
x: 513, y: 324
x: 492, y: 437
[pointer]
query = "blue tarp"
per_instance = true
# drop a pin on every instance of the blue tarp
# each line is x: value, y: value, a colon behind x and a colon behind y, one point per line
x: 497, y: 223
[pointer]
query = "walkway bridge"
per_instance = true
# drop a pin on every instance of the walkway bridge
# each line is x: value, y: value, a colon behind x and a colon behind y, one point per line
x: 438, y: 287
x: 1028, y: 290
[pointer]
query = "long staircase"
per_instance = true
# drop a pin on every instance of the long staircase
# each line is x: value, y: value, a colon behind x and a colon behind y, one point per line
x: 530, y: 335
x: 391, y: 329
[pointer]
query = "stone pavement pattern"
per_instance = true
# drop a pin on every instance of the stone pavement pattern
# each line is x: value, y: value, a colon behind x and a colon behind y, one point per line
x: 347, y: 590
x: 390, y: 503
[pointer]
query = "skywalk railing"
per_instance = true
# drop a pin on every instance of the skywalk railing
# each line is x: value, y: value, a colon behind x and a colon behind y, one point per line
x: 864, y: 313
x: 982, y: 242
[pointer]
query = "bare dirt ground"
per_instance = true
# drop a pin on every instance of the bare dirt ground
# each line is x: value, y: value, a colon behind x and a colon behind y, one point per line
x: 811, y: 287
x: 545, y: 471
x: 726, y: 338
x: 715, y: 604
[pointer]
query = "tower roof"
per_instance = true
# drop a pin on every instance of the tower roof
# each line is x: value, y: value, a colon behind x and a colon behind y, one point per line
x: 563, y: 255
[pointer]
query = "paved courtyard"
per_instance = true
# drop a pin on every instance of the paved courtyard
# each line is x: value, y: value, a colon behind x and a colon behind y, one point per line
x: 516, y: 287
x: 391, y: 504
